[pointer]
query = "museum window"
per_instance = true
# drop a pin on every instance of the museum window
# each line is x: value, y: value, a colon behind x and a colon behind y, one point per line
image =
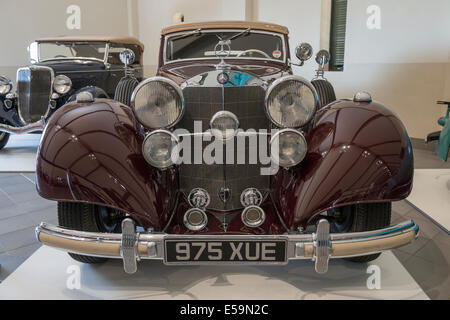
x: 337, y: 34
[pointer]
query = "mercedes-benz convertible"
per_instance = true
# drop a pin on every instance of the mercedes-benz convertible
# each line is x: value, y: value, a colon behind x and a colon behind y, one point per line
x: 226, y: 157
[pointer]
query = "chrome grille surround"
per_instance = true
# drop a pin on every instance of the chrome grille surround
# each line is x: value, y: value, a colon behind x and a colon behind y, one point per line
x: 34, y: 89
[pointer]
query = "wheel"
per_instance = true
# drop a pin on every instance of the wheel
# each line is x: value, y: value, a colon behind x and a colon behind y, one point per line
x: 362, y: 217
x: 88, y: 217
x: 4, y: 137
x: 124, y: 90
x: 325, y: 91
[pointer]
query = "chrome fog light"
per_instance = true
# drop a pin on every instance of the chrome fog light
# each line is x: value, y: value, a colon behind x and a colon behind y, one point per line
x: 253, y: 216
x: 159, y: 148
x: 288, y: 147
x: 224, y: 125
x: 195, y: 219
x: 251, y: 196
x: 199, y: 198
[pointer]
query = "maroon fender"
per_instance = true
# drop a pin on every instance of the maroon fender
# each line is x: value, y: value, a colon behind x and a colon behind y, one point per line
x: 92, y: 153
x: 357, y: 152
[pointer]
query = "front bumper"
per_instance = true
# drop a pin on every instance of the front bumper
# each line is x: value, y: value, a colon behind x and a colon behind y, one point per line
x: 320, y: 246
x: 32, y: 127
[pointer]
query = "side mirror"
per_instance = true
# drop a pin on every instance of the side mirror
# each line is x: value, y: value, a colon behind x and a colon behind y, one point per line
x: 303, y: 52
x: 322, y: 57
x: 127, y: 57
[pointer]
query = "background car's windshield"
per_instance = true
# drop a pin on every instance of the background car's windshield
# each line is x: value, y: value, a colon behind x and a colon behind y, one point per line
x: 201, y: 45
x: 71, y: 50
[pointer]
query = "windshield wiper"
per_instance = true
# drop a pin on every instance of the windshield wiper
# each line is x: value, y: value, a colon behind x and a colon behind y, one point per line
x: 192, y: 33
x: 237, y: 35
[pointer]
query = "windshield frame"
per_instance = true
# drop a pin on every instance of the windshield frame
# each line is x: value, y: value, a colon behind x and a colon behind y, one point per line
x: 176, y: 34
x: 104, y: 60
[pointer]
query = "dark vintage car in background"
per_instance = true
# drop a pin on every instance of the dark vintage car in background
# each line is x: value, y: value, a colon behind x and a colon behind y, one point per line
x: 61, y: 68
x: 121, y: 193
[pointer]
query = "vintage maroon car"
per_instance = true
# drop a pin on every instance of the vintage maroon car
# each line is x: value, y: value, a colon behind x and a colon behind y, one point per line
x: 226, y: 157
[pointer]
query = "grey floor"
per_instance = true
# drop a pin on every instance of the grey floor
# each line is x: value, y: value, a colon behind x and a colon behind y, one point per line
x: 21, y: 209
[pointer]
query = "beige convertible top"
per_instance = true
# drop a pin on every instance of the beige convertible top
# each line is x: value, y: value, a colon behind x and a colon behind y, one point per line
x: 122, y: 40
x: 225, y: 25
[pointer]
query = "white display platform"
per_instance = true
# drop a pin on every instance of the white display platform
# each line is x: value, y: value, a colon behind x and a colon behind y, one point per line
x: 431, y: 195
x: 44, y: 276
x: 19, y: 154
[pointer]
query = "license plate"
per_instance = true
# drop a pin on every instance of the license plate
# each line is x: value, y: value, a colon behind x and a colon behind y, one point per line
x: 225, y: 251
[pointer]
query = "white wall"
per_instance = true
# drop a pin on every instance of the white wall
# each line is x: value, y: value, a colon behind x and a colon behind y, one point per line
x: 156, y: 14
x: 303, y: 20
x: 412, y: 31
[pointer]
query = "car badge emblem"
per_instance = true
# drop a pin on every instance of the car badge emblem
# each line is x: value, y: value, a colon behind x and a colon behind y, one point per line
x: 223, y: 78
x: 224, y: 194
x: 222, y: 50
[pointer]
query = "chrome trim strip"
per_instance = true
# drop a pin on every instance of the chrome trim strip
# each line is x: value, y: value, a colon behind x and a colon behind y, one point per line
x: 299, y: 246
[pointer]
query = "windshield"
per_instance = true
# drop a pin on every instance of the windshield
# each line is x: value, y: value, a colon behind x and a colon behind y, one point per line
x: 62, y: 50
x: 243, y: 44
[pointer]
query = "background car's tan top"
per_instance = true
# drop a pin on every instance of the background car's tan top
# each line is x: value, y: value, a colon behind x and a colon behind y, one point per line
x: 122, y: 40
x: 225, y: 25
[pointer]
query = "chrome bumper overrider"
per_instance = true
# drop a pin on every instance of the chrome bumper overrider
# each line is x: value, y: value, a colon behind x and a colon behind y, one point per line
x: 320, y: 246
x: 32, y: 127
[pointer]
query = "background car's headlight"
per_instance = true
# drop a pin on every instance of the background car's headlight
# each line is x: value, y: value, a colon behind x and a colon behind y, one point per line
x: 291, y: 102
x: 62, y: 84
x: 5, y: 85
x: 158, y: 147
x: 288, y: 147
x: 158, y: 103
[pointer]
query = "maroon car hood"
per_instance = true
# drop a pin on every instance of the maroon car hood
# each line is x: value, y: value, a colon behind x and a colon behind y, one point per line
x: 181, y: 71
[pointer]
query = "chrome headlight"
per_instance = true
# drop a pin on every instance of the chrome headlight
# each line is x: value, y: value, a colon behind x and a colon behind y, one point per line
x: 5, y: 85
x: 158, y: 147
x: 288, y: 147
x: 158, y: 103
x: 62, y: 84
x: 291, y: 102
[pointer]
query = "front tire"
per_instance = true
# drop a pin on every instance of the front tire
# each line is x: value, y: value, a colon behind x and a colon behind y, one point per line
x: 363, y: 217
x: 91, y: 218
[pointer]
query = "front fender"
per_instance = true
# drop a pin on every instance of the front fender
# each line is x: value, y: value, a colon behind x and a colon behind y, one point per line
x: 357, y: 152
x: 92, y: 153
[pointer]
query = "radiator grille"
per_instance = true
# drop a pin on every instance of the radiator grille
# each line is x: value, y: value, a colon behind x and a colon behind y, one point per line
x: 247, y: 103
x: 34, y: 86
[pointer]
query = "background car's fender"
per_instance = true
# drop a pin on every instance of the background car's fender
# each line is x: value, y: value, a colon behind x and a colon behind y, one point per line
x: 92, y: 153
x: 357, y: 152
